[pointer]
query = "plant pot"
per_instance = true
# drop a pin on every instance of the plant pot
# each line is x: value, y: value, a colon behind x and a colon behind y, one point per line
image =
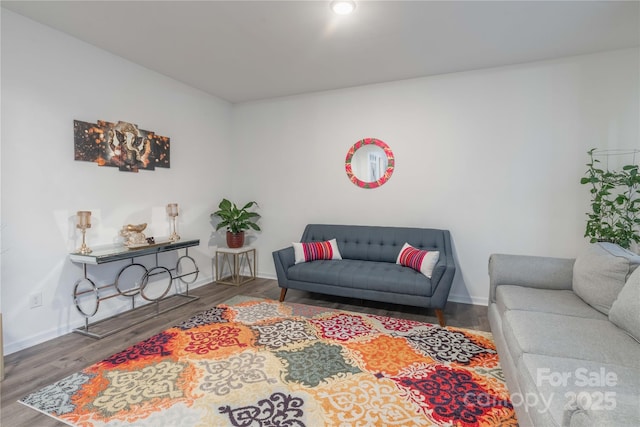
x: 235, y: 240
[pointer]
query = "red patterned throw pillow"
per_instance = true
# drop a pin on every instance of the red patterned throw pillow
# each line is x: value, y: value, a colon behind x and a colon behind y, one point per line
x: 312, y: 251
x: 419, y: 260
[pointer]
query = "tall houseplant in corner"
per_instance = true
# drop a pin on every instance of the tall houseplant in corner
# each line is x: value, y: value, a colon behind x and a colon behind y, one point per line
x: 236, y: 220
x: 615, y: 203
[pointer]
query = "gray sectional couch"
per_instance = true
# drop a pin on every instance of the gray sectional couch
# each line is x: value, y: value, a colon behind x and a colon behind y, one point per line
x: 567, y: 334
x: 368, y: 268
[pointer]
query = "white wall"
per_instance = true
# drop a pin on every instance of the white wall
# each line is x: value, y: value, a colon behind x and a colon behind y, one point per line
x: 48, y: 81
x: 494, y: 155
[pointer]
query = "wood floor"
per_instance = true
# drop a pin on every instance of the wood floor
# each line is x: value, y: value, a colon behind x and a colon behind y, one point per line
x: 35, y: 367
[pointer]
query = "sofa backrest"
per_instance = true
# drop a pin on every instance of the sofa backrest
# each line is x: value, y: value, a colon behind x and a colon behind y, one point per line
x: 375, y: 243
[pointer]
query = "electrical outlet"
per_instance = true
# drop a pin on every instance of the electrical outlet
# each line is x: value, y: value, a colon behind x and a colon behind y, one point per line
x: 35, y: 300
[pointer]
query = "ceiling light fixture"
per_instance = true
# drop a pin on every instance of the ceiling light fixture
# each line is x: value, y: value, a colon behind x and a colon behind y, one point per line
x: 343, y: 7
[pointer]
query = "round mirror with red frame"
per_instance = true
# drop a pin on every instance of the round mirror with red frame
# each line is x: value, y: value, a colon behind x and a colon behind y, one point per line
x: 369, y: 163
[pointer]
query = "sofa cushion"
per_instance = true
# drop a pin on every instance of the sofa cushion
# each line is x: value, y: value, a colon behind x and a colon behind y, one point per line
x: 625, y: 311
x: 311, y: 251
x: 600, y: 272
x: 419, y: 260
x: 622, y: 416
x: 356, y: 274
x: 563, y: 391
x: 567, y: 336
x: 545, y: 301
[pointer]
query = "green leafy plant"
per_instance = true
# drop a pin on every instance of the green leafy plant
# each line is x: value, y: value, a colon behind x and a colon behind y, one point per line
x: 615, y: 204
x: 234, y: 218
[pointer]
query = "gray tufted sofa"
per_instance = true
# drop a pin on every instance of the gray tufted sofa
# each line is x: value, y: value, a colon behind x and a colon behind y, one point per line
x: 368, y: 269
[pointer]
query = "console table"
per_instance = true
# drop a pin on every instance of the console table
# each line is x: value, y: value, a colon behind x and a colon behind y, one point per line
x: 85, y: 289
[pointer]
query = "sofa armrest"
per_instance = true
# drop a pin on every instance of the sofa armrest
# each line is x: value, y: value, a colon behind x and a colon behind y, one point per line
x: 283, y: 259
x: 441, y: 280
x: 529, y: 271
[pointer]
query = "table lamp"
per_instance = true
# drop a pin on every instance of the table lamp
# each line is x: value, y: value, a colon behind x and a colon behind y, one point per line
x: 172, y: 211
x: 84, y: 222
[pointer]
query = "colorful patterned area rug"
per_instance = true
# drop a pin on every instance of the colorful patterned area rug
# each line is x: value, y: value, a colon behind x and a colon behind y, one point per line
x: 256, y: 362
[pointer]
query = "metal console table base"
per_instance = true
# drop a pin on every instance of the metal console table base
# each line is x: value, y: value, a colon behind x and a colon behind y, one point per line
x: 139, y: 315
x: 136, y: 315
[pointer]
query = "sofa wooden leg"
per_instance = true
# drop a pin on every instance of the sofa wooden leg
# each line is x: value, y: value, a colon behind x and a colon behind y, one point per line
x: 440, y: 315
x: 283, y: 292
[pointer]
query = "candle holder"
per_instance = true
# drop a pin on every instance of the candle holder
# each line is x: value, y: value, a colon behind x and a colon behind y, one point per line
x: 172, y: 211
x: 84, y: 222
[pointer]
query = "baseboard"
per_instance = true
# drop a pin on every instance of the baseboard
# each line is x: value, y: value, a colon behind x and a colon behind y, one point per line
x: 1, y: 352
x: 56, y: 332
x: 467, y: 299
x: 52, y: 333
x: 33, y: 340
x: 267, y: 276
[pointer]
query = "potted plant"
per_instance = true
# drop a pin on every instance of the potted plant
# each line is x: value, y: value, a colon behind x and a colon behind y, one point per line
x: 236, y: 221
x: 615, y: 204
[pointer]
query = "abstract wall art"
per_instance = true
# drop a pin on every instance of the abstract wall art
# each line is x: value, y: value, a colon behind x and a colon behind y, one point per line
x: 120, y: 145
